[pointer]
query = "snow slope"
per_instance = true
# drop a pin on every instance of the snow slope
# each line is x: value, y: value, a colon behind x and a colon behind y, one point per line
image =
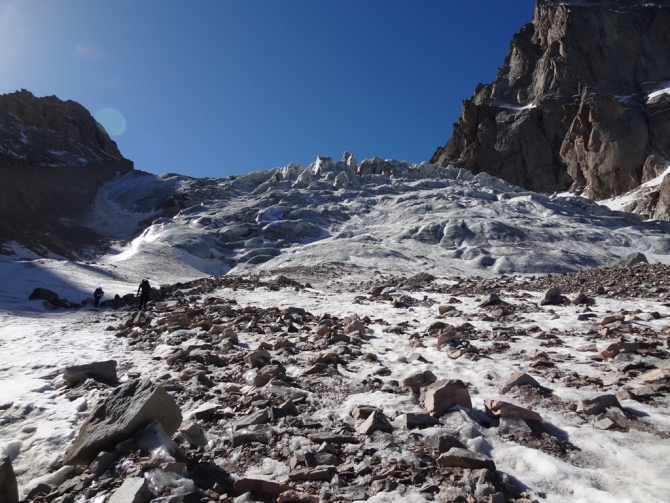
x: 377, y: 219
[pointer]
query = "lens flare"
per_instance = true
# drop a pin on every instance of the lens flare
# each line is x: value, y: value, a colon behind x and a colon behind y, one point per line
x: 113, y: 122
x: 12, y: 32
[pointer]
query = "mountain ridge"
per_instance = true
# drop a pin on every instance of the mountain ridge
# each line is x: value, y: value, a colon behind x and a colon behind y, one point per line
x: 581, y: 102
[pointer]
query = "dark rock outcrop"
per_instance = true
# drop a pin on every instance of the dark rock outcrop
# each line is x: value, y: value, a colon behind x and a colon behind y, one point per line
x: 579, y: 102
x: 53, y: 158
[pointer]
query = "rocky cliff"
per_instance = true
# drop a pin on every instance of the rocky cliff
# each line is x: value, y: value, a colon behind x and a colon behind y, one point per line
x: 53, y: 158
x: 582, y: 102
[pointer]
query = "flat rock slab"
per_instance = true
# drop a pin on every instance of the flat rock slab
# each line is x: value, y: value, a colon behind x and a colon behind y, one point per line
x: 597, y: 405
x: 133, y: 490
x: 519, y: 379
x: 444, y: 394
x: 498, y: 408
x: 376, y: 421
x: 260, y: 417
x: 310, y: 474
x: 333, y: 438
x: 265, y: 488
x: 127, y: 409
x: 418, y: 420
x: 462, y: 458
x: 100, y: 371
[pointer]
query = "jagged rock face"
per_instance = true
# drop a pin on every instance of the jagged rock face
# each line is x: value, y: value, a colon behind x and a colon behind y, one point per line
x: 47, y: 132
x: 53, y: 158
x: 582, y: 102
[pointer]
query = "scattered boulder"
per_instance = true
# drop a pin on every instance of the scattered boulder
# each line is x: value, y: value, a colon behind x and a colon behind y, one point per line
x: 462, y: 458
x: 519, y: 379
x: 490, y: 299
x: 444, y: 394
x: 126, y: 410
x: 104, y: 371
x: 597, y: 405
x: 263, y: 488
x: 133, y: 490
x: 630, y: 260
x: 552, y: 296
x: 376, y: 421
x: 417, y: 381
x: 498, y: 408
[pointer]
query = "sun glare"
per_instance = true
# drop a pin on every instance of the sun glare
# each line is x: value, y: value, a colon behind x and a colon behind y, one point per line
x: 113, y: 122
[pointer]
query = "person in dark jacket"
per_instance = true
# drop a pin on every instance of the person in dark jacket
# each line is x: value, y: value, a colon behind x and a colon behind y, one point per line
x: 97, y: 295
x: 143, y: 291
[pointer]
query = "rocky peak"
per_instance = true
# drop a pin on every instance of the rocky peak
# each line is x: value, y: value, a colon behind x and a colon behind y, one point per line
x: 48, y: 132
x: 582, y: 101
x: 54, y: 157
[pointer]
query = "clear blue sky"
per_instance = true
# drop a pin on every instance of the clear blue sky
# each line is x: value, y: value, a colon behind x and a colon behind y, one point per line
x: 218, y: 87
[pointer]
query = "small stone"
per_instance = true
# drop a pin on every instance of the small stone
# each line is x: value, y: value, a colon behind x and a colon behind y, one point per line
x: 551, y: 296
x: 133, y: 490
x: 444, y: 394
x: 498, y: 408
x: 594, y: 406
x: 416, y: 381
x: 418, y: 420
x: 491, y: 299
x: 445, y: 309
x: 260, y: 417
x: 264, y: 488
x: 376, y: 421
x: 656, y: 375
x: 519, y: 379
x: 362, y: 412
x: 463, y: 458
x: 311, y: 474
x: 192, y: 429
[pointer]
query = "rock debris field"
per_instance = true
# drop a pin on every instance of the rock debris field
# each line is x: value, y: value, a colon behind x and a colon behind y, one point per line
x: 309, y: 387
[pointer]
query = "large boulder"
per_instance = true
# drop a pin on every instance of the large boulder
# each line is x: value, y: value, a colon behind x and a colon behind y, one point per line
x: 442, y: 395
x: 127, y: 409
x: 100, y: 371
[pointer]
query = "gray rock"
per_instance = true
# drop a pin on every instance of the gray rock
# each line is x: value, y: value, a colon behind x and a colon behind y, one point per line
x: 513, y: 424
x: 551, y: 296
x: 246, y: 437
x: 491, y: 299
x: 597, y: 405
x: 133, y: 490
x: 519, y: 379
x: 102, y: 462
x: 418, y: 420
x: 333, y: 438
x: 311, y: 474
x: 265, y: 488
x: 630, y: 260
x: 100, y: 371
x: 9, y: 489
x: 443, y: 442
x: 376, y: 421
x: 462, y: 458
x: 260, y: 417
x: 258, y: 359
x: 440, y: 396
x: 416, y: 381
x: 126, y: 410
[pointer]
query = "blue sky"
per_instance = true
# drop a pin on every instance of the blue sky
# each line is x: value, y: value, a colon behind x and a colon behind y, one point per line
x: 219, y: 87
